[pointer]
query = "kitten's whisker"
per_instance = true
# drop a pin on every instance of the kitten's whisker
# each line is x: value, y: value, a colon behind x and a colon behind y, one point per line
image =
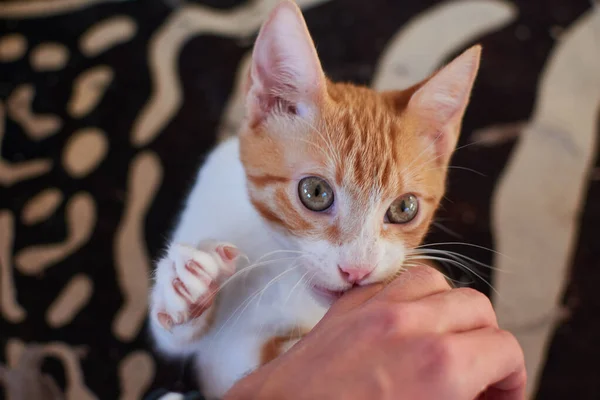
x: 461, y: 265
x: 248, y: 269
x: 333, y: 153
x: 396, y: 274
x: 403, y: 172
x: 247, y: 302
x: 412, y: 265
x: 457, y: 167
x: 310, y: 280
x: 294, y: 266
x: 308, y: 284
x: 465, y: 244
x: 316, y: 146
x: 278, y: 252
x: 446, y: 229
x: 407, y: 271
x: 294, y: 287
x: 477, y: 142
x: 433, y: 159
x: 460, y: 257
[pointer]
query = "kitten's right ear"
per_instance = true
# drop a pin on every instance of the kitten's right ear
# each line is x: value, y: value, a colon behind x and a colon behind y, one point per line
x: 285, y: 75
x: 440, y: 102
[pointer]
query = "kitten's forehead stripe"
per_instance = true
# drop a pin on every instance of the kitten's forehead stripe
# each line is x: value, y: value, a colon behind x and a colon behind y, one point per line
x: 295, y: 220
x: 266, y: 179
x: 266, y: 212
x: 364, y: 126
x: 334, y: 234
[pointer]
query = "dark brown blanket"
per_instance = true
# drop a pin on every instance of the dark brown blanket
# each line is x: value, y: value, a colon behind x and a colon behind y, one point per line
x: 108, y: 107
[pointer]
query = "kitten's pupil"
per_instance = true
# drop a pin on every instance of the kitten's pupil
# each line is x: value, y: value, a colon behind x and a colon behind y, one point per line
x: 315, y: 193
x: 403, y: 206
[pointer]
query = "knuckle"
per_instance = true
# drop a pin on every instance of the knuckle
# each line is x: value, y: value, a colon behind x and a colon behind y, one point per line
x: 468, y: 292
x: 439, y: 352
x: 391, y: 319
x: 512, y: 341
x: 432, y: 277
x: 481, y: 303
x: 437, y: 361
x: 476, y: 296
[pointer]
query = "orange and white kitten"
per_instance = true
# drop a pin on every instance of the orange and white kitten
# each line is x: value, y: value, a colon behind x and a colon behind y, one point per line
x: 328, y: 186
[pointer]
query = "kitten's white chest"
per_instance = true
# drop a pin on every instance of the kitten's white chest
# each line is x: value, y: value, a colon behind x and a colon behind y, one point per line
x: 218, y: 206
x: 269, y: 297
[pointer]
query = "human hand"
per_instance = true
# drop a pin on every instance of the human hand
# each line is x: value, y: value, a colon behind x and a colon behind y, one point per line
x: 412, y: 339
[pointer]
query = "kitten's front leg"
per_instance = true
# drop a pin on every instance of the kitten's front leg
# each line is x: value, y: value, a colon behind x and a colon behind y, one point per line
x: 186, y: 285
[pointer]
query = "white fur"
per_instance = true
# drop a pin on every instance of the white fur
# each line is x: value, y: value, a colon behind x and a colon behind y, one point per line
x: 218, y: 209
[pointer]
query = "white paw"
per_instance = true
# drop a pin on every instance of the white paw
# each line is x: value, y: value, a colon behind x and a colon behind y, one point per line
x: 187, y: 280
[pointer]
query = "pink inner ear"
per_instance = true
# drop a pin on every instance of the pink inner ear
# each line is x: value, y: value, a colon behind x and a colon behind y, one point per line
x: 447, y: 92
x: 442, y: 101
x: 285, y: 70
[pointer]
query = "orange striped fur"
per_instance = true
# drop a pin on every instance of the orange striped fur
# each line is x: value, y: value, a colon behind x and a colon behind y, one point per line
x: 370, y: 147
x: 364, y: 143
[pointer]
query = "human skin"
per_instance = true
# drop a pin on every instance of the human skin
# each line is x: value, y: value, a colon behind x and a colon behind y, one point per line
x: 415, y: 338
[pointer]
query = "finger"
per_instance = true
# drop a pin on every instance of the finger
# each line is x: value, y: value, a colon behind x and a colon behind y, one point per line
x: 487, y: 361
x: 515, y: 388
x: 354, y: 298
x: 453, y: 311
x: 414, y: 284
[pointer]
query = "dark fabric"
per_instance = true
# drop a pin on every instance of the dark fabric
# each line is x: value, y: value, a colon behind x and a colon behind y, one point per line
x: 350, y: 36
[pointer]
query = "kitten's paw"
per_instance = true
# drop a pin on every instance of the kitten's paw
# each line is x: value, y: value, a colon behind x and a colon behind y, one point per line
x: 187, y: 280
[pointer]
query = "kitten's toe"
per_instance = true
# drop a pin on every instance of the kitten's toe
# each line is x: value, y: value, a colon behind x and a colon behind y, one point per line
x: 224, y: 254
x: 202, y: 304
x: 182, y: 291
x: 197, y: 269
x: 165, y: 320
x: 229, y: 255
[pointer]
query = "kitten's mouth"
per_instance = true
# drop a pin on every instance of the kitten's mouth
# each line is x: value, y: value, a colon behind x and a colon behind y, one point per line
x: 327, y: 295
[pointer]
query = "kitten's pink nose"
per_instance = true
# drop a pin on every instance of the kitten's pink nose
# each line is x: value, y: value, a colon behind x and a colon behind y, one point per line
x: 355, y: 273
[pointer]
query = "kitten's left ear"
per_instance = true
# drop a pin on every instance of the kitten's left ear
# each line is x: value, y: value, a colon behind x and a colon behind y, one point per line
x: 442, y: 100
x: 285, y: 75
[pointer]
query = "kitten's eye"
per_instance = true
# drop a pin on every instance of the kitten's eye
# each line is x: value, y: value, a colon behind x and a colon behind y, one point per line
x: 315, y: 193
x: 403, y: 210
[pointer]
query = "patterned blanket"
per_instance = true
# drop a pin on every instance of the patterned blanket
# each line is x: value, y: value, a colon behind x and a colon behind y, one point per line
x: 107, y: 108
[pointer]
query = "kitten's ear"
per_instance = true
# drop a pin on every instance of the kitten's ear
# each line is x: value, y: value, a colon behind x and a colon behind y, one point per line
x: 285, y: 74
x: 442, y: 100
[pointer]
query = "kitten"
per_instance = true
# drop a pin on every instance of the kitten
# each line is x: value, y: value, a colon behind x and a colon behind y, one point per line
x: 328, y: 186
